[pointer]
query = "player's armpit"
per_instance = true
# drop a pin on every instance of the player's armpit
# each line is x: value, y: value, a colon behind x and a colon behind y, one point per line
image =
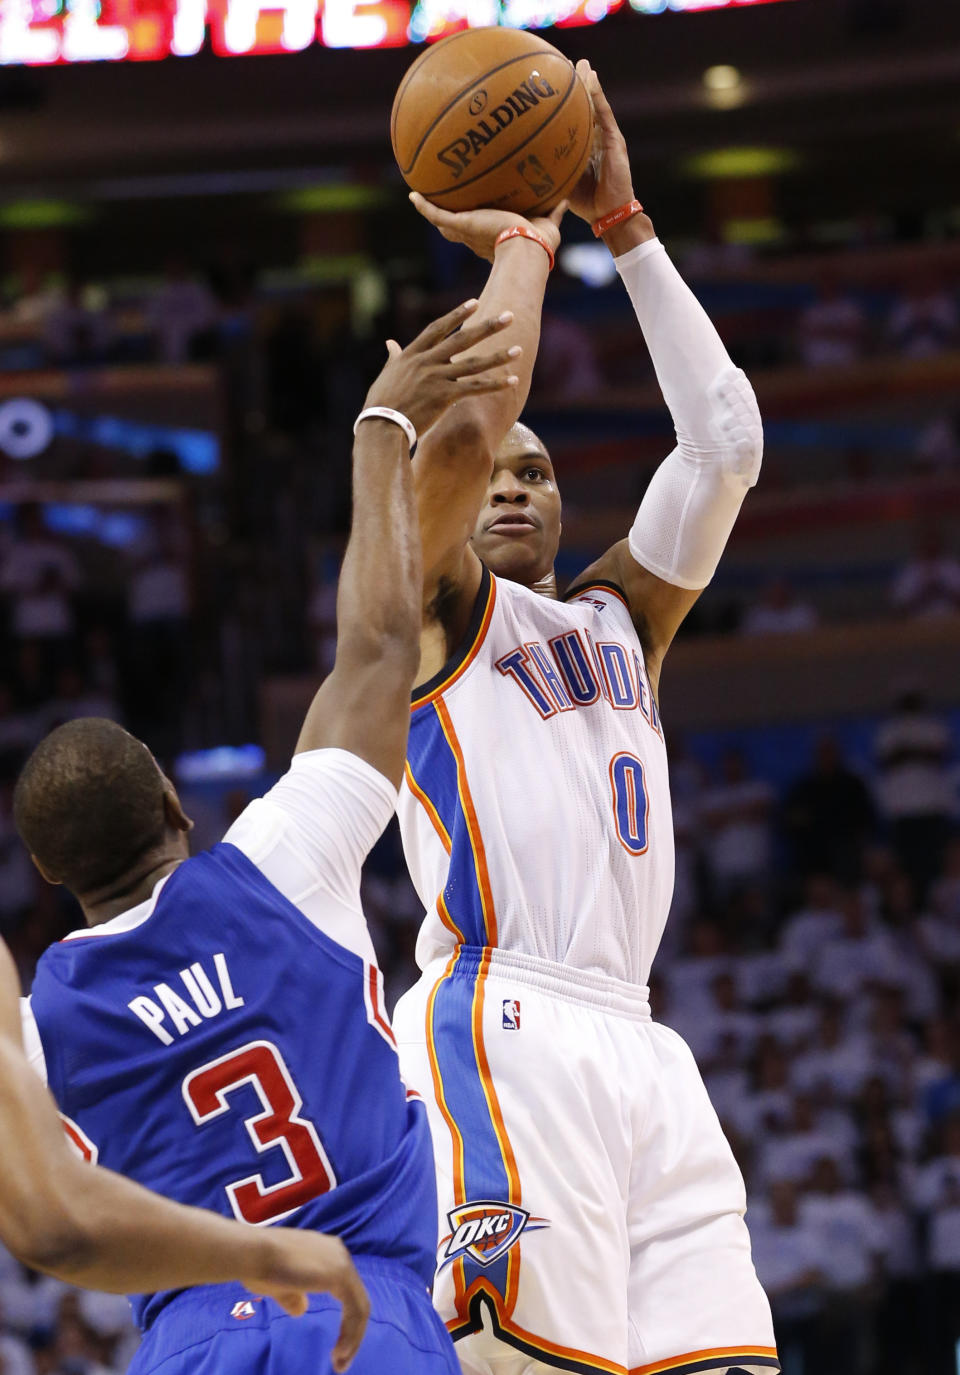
x: 658, y: 608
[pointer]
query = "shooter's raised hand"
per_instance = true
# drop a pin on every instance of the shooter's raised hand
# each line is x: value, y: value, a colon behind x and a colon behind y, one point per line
x: 607, y: 183
x: 479, y: 229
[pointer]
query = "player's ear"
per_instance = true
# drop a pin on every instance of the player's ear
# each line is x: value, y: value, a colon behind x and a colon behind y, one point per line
x: 173, y: 810
x: 47, y: 878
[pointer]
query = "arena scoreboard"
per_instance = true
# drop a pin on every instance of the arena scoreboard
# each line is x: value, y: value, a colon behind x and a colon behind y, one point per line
x: 48, y: 32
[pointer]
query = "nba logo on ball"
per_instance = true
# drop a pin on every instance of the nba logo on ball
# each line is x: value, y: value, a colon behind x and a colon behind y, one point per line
x: 511, y: 1014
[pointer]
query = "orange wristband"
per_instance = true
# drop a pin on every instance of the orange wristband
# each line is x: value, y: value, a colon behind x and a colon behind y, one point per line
x: 623, y: 212
x: 524, y: 231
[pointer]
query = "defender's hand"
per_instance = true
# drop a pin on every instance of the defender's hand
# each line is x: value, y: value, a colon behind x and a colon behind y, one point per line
x: 478, y: 229
x: 607, y: 183
x: 298, y: 1263
x: 423, y: 379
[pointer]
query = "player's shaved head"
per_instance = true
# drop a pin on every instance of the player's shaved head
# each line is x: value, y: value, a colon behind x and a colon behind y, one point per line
x: 520, y: 436
x: 89, y: 804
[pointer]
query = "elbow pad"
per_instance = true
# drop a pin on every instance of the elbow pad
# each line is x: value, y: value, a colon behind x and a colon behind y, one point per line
x: 693, y: 499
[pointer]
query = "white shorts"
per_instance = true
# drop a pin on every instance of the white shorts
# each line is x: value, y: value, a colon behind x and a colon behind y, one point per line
x: 591, y: 1211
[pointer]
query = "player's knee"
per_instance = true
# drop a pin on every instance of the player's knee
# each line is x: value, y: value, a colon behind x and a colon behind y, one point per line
x: 739, y: 427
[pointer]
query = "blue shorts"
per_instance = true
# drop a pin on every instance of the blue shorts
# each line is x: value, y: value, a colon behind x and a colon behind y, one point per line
x: 223, y: 1330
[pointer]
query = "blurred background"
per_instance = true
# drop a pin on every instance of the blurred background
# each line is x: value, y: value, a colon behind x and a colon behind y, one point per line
x: 203, y: 244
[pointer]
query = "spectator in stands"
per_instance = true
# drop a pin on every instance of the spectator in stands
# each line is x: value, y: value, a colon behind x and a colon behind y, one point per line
x: 925, y: 320
x: 322, y: 611
x: 792, y: 1022
x: 820, y: 919
x: 898, y: 1314
x: 937, y: 449
x: 850, y: 1236
x: 77, y: 328
x: 941, y: 1095
x: 913, y: 750
x: 829, y: 815
x: 831, y: 331
x: 34, y: 301
x: 792, y: 1148
x: 835, y: 1065
x: 567, y: 361
x: 945, y: 893
x: 724, y: 1026
x: 788, y: 1255
x: 911, y: 970
x: 767, y: 1103
x: 928, y: 585
x: 74, y: 697
x: 737, y: 814
x: 19, y: 732
x: 158, y: 635
x: 937, y: 1195
x: 182, y: 309
x: 40, y: 576
x: 779, y: 611
x: 690, y: 977
x: 17, y: 886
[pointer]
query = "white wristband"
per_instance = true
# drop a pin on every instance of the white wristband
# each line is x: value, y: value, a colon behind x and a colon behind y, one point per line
x: 385, y: 413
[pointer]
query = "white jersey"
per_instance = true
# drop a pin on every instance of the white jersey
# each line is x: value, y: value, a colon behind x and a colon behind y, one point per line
x: 535, y: 808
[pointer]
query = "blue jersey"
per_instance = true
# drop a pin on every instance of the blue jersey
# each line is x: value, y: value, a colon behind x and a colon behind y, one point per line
x: 226, y: 1052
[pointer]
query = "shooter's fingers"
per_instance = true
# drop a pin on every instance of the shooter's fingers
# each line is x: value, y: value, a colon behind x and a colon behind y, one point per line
x: 483, y: 362
x: 393, y: 349
x: 603, y: 113
x: 440, y: 218
x: 558, y: 212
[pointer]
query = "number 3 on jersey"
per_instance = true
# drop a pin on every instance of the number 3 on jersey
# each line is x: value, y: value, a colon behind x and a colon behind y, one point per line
x: 260, y: 1064
x: 631, y: 806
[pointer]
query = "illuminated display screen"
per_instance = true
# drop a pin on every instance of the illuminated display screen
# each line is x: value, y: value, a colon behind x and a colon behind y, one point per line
x: 44, y: 32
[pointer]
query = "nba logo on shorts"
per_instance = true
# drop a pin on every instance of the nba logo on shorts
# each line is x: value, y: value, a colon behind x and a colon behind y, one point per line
x: 511, y: 1014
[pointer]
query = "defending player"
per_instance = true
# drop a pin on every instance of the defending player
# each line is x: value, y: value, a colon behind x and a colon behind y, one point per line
x: 97, y: 1229
x: 217, y: 1032
x: 591, y: 1209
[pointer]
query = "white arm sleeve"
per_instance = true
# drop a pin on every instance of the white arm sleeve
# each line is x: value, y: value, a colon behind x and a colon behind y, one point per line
x: 692, y: 501
x: 310, y: 834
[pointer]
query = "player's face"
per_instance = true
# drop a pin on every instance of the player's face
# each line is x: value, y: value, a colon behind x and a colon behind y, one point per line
x: 518, y: 530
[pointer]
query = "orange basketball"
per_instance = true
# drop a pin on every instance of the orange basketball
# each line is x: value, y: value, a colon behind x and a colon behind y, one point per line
x: 492, y: 117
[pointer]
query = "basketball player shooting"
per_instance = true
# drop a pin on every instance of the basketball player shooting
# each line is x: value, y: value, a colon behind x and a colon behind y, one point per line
x: 591, y: 1211
x: 94, y: 1228
x: 217, y: 1031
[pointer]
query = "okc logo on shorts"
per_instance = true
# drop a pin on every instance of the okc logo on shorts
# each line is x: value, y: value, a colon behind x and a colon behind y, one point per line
x: 486, y: 1230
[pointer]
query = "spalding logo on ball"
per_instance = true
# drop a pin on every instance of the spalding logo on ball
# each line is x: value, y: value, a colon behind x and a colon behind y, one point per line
x: 492, y: 117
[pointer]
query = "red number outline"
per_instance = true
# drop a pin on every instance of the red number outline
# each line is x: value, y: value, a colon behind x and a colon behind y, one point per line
x: 260, y: 1064
x: 632, y: 847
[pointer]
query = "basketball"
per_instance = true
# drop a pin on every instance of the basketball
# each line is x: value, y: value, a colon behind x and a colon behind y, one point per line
x: 492, y: 117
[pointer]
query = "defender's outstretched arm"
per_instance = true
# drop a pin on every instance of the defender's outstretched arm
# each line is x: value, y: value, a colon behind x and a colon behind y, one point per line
x: 364, y: 705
